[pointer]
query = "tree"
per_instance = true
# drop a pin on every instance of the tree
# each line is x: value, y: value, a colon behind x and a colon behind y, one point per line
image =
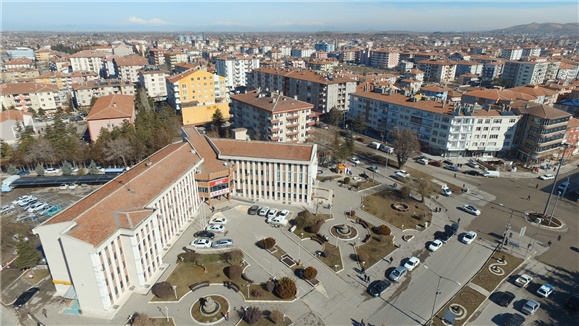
x: 28, y: 256
x: 163, y: 290
x: 66, y: 168
x: 276, y: 316
x: 92, y: 168
x: 358, y: 124
x: 268, y: 243
x: 39, y: 170
x: 363, y: 256
x: 233, y: 256
x: 6, y: 153
x: 253, y: 315
x: 405, y: 144
x: 41, y: 113
x: 304, y: 219
x: 233, y: 271
x: 383, y: 230
x: 405, y: 192
x: 12, y: 169
x: 310, y: 273
x: 217, y: 122
x: 286, y: 288
x: 334, y: 116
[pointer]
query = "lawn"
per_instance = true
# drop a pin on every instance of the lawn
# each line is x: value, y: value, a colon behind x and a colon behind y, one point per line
x: 488, y: 280
x: 334, y: 259
x: 377, y: 246
x: 380, y: 205
x: 324, y: 178
x: 37, y: 275
x: 161, y: 322
x: 299, y: 230
x: 266, y: 322
x: 367, y: 184
x: 467, y: 298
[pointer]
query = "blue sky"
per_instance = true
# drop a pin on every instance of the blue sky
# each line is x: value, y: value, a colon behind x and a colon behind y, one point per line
x: 273, y: 15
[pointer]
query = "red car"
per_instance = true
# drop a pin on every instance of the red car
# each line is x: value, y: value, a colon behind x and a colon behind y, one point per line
x: 435, y: 163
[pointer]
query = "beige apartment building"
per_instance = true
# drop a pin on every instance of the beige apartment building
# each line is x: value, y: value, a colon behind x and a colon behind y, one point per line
x: 127, y: 68
x: 153, y: 80
x: 89, y: 60
x: 83, y: 93
x: 15, y: 75
x: 438, y: 71
x: 271, y: 116
x: 31, y: 96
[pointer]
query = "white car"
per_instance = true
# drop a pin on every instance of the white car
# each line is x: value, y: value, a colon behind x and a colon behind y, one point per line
x: 201, y: 243
x: 63, y: 186
x: 435, y: 245
x: 51, y: 171
x: 472, y: 164
x: 545, y: 290
x: 446, y: 191
x: 402, y: 174
x: 547, y: 177
x: 277, y: 221
x: 217, y: 228
x: 523, y: 280
x: 272, y: 213
x: 218, y: 220
x: 72, y: 186
x: 471, y: 210
x: 354, y: 160
x: 263, y: 211
x: 530, y: 307
x: 422, y: 161
x: 35, y: 207
x: 284, y: 214
x: 469, y: 237
x: 412, y: 263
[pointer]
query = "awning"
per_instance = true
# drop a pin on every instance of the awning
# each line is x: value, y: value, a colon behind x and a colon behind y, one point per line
x: 70, y: 293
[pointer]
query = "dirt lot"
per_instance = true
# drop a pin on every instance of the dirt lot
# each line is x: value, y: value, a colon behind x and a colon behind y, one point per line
x: 380, y: 205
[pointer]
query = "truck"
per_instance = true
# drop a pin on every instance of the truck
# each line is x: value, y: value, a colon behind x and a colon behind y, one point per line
x: 444, y: 189
x: 374, y: 145
x: 386, y: 149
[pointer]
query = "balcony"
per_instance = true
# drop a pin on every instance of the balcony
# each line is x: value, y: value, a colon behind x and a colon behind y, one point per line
x: 549, y: 143
x: 311, y: 123
x: 292, y: 133
x: 293, y: 125
x: 310, y: 131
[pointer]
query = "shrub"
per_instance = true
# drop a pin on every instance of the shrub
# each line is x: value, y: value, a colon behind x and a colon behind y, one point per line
x: 233, y: 271
x: 268, y: 243
x: 315, y: 228
x: 190, y: 257
x: 347, y: 180
x: 363, y: 256
x: 286, y: 288
x: 163, y: 290
x: 233, y: 256
x: 383, y: 230
x: 276, y: 316
x: 327, y: 252
x: 304, y: 219
x: 253, y: 315
x: 404, y: 192
x: 269, y: 286
x: 310, y: 273
x: 257, y: 293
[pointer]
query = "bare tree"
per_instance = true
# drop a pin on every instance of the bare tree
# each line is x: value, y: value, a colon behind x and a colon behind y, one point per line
x: 405, y: 144
x: 119, y: 148
x: 41, y: 151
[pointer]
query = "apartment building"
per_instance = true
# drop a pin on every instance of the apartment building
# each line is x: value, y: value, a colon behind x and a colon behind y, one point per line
x: 511, y: 53
x: 235, y: 69
x: 89, y: 60
x: 384, y: 59
x: 531, y: 52
x: 521, y: 73
x: 17, y: 75
x: 153, y: 80
x: 271, y: 116
x: 31, y: 96
x: 275, y: 54
x: 540, y: 132
x: 323, y: 90
x: 444, y: 129
x: 43, y: 55
x: 542, y: 95
x: 83, y: 93
x: 552, y: 69
x: 157, y: 56
x: 487, y: 97
x: 65, y: 81
x: 348, y: 56
x: 109, y: 112
x: 17, y: 63
x: 438, y: 71
x: 492, y: 71
x: 326, y: 47
x: 567, y: 72
x: 572, y: 137
x: 322, y: 64
x: 198, y: 94
x: 127, y: 68
x: 414, y: 74
x: 175, y: 57
x: 301, y: 52
x: 121, y: 49
x: 468, y: 67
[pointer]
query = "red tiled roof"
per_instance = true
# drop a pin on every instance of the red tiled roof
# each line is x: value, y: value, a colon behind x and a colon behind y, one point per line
x: 20, y: 88
x: 112, y: 106
x: 263, y: 149
x: 273, y: 103
x: 13, y: 115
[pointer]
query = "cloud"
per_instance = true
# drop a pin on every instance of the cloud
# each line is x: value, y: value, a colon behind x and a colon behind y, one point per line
x: 229, y: 24
x: 288, y: 23
x: 140, y: 21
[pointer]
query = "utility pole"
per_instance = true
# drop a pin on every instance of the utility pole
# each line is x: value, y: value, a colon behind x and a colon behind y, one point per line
x: 565, y: 146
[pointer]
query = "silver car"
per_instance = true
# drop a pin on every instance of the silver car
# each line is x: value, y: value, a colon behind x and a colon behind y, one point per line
x: 222, y: 243
x: 398, y: 273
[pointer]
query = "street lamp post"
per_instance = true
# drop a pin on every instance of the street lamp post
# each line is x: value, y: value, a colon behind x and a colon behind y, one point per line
x: 175, y: 291
x: 248, y: 285
x: 507, y: 228
x: 538, y: 221
x: 565, y: 146
x: 167, y: 313
x: 438, y: 290
x: 554, y: 206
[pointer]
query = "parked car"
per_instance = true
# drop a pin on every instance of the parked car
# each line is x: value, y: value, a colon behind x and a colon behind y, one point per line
x: 26, y: 201
x: 471, y: 210
x: 72, y: 186
x: 217, y: 228
x: 44, y: 209
x: 563, y: 187
x: 422, y: 161
x: 447, y: 161
x: 402, y: 174
x: 530, y: 307
x: 514, y: 320
x: 397, y: 273
x: 374, y: 169
x: 51, y: 171
x: 435, y: 245
x: 473, y: 164
x: 435, y: 163
x: 253, y: 210
x: 218, y: 220
x: 277, y: 221
x: 545, y: 290
x: 445, y: 190
x: 201, y: 243
x: 36, y: 207
x: 23, y: 172
x: 20, y: 199
x: 469, y: 237
x: 523, y: 280
x: 53, y: 210
x: 452, y: 168
x: 205, y: 234
x: 272, y: 213
x: 263, y: 211
x: 354, y: 160
x: 473, y: 172
x: 284, y: 213
x: 547, y: 177
x: 63, y: 186
x: 444, y: 236
x: 25, y: 297
x: 506, y: 298
x: 29, y: 203
x: 454, y: 228
x: 222, y: 243
x: 376, y: 288
x: 412, y: 263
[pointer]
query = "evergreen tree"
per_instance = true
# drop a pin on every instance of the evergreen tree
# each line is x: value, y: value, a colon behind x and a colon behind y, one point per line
x: 66, y: 168
x: 359, y: 124
x: 28, y: 256
x: 39, y: 170
x: 334, y: 116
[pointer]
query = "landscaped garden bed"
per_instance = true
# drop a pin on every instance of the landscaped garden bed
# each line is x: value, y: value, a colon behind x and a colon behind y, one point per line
x: 333, y: 258
x: 376, y: 246
x: 499, y: 266
x: 380, y: 205
x: 463, y: 305
x: 308, y: 223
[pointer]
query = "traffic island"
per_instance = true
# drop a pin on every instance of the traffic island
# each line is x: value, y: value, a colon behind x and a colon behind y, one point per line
x: 497, y: 268
x: 463, y: 306
x: 398, y: 210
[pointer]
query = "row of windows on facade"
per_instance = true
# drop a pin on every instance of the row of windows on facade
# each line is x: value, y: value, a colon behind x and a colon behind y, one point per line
x: 270, y: 194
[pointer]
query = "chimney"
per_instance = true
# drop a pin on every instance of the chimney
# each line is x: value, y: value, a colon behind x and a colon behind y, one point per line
x: 114, y: 105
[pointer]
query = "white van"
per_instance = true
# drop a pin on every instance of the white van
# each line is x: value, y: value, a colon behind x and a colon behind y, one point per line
x: 374, y: 145
x: 492, y: 174
x: 386, y: 149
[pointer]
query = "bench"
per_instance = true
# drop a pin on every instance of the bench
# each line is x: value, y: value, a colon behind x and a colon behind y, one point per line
x: 198, y: 285
x: 318, y: 239
x: 233, y: 286
x: 363, y: 223
x: 366, y: 238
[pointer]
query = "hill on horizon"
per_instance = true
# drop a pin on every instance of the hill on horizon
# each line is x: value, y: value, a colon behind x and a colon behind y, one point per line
x: 541, y: 28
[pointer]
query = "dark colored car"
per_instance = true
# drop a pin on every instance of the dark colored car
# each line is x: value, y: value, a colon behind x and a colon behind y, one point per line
x: 506, y: 298
x: 376, y: 288
x: 454, y: 228
x: 435, y: 163
x: 445, y: 236
x: 514, y: 320
x: 473, y: 172
x: 452, y: 168
x: 205, y: 234
x: 25, y: 297
x: 253, y: 210
x: 572, y: 302
x: 447, y: 161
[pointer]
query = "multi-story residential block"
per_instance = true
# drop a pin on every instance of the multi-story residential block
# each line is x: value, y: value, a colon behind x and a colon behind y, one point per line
x: 275, y: 54
x: 541, y: 94
x: 326, y: 47
x: 322, y: 64
x: 438, y: 71
x: 511, y: 53
x: 415, y: 74
x: 531, y: 52
x: 271, y: 116
x: 468, y: 67
x: 348, y: 56
x: 157, y: 56
x: 492, y: 71
x: 197, y: 94
x: 153, y: 79
x: 488, y: 97
x: 540, y: 132
x: 301, y: 52
x: 265, y: 49
x: 445, y: 129
x: 323, y: 90
x: 59, y: 64
x: 109, y: 112
x: 43, y: 55
x: 12, y: 123
x: 31, y: 96
x: 384, y: 59
x: 83, y: 93
x: 459, y: 56
x: 89, y: 60
x: 17, y: 75
x: 567, y: 72
x: 522, y: 73
x: 175, y: 57
x: 285, y: 51
x: 572, y: 137
x: 127, y: 68
x: 17, y: 63
x: 552, y: 70
x: 235, y: 69
x: 122, y: 50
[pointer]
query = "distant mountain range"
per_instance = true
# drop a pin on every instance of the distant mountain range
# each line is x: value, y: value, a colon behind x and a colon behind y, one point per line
x: 541, y: 28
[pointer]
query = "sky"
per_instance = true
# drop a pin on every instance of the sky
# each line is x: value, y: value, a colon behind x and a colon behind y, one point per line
x: 280, y: 16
